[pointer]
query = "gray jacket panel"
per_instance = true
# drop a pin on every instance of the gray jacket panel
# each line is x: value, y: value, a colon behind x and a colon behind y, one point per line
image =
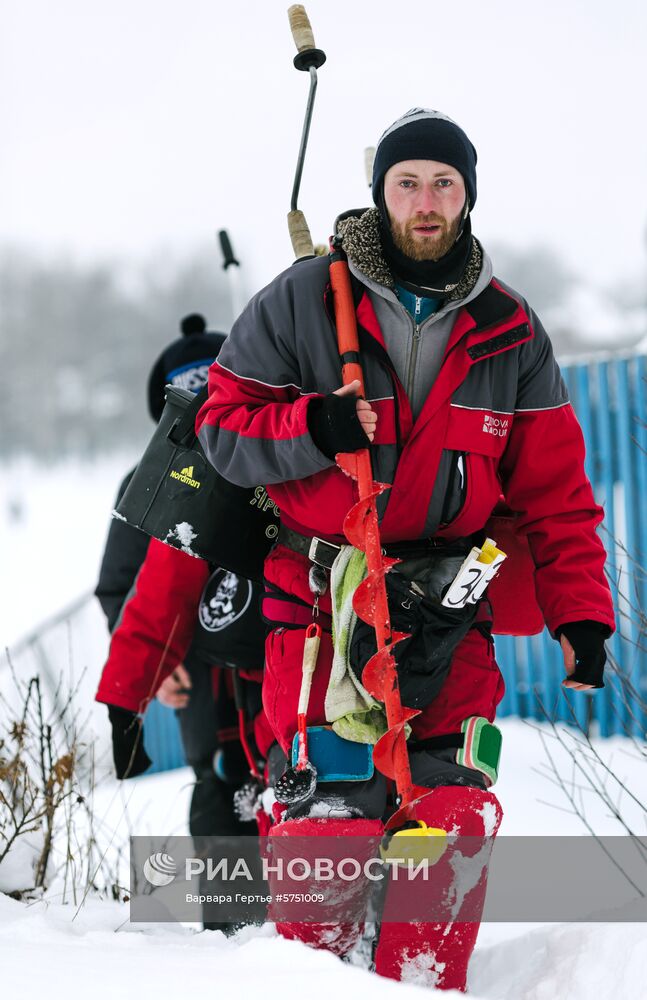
x: 416, y: 351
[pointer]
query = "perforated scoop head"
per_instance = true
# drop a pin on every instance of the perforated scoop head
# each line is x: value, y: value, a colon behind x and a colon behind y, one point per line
x: 296, y: 785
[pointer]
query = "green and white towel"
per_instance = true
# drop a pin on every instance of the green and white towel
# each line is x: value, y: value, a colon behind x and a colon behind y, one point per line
x: 354, y: 714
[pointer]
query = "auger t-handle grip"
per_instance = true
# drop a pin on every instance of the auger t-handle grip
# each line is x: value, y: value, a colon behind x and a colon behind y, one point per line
x: 307, y: 53
x: 308, y: 59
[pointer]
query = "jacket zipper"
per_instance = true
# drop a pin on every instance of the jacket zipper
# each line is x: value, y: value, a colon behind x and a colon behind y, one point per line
x: 414, y: 349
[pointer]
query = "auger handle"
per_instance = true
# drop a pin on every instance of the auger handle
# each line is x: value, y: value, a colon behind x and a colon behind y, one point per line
x: 299, y: 234
x: 369, y: 158
x: 308, y: 58
x: 307, y: 53
x: 346, y: 322
x: 301, y: 27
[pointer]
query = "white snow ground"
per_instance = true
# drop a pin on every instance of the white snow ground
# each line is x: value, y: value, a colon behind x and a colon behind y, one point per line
x: 47, y: 949
x: 53, y: 524
x: 63, y: 951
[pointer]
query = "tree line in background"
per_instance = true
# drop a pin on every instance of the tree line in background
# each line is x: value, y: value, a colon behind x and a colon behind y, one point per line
x: 77, y: 343
x: 77, y: 340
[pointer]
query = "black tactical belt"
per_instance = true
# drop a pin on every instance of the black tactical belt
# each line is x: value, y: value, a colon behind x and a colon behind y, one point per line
x: 323, y: 553
x: 317, y: 550
x: 445, y: 742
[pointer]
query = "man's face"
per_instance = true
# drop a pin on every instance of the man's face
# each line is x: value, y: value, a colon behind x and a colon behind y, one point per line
x: 425, y: 201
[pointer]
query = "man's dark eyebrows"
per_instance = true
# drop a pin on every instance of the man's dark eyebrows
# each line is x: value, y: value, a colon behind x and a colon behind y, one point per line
x: 439, y: 173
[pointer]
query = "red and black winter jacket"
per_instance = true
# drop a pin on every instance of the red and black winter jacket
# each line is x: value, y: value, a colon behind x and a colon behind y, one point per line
x: 498, y: 402
x: 157, y: 631
x: 156, y: 626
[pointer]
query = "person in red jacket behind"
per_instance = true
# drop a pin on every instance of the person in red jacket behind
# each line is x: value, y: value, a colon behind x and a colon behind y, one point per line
x: 464, y: 402
x: 164, y: 623
x: 179, y: 629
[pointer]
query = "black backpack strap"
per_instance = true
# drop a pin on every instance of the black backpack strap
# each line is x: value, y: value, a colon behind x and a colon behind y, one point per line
x: 445, y: 742
x: 183, y: 430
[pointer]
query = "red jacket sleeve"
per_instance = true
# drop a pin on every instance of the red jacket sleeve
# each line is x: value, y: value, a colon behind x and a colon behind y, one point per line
x: 254, y: 426
x: 544, y: 481
x: 156, y: 627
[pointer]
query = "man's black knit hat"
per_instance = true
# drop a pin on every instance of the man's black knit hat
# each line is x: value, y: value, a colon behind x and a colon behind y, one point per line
x: 422, y: 134
x: 185, y: 362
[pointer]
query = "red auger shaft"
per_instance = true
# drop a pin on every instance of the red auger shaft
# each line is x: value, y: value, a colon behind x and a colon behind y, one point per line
x: 361, y: 528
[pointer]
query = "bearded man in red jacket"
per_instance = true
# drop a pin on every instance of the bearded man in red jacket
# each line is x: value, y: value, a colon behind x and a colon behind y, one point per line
x: 464, y: 404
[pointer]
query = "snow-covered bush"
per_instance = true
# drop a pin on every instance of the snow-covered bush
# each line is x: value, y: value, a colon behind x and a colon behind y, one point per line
x: 47, y: 783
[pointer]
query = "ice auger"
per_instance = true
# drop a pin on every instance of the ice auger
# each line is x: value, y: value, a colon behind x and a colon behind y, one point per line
x: 361, y: 524
x: 361, y: 528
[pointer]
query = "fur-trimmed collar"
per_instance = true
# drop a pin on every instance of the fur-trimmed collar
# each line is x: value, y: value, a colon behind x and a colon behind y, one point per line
x: 361, y: 241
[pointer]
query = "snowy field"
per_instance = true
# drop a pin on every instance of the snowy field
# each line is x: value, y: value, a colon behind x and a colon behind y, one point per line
x: 45, y: 953
x: 51, y: 549
x: 47, y: 949
x: 53, y: 525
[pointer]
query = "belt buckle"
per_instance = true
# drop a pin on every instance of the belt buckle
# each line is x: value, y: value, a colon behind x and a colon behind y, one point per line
x: 327, y: 546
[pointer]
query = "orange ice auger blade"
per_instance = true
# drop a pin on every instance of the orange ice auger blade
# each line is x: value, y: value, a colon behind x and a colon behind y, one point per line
x: 376, y: 670
x: 358, y: 519
x: 361, y: 528
x: 367, y: 593
x: 386, y: 749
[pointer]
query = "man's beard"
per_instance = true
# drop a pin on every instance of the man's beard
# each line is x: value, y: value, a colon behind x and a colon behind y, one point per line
x: 419, y: 247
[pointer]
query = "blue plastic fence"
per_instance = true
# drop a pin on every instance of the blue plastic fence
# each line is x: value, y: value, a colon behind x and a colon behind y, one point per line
x: 609, y: 394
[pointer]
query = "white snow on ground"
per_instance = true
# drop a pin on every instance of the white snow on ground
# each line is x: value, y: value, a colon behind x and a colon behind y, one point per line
x: 53, y: 526
x: 564, y: 962
x: 98, y: 953
x: 62, y: 951
x: 46, y: 954
x: 533, y: 802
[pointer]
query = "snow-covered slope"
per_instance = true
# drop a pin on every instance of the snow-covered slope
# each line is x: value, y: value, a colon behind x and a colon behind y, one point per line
x: 96, y: 951
x: 49, y: 950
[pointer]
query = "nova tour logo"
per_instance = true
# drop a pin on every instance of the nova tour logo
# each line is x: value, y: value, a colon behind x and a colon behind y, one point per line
x: 160, y: 869
x: 225, y: 599
x: 498, y: 426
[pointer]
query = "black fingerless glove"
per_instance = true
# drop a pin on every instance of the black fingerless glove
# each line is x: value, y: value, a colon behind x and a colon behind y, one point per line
x: 127, y: 743
x: 334, y: 425
x: 587, y: 639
